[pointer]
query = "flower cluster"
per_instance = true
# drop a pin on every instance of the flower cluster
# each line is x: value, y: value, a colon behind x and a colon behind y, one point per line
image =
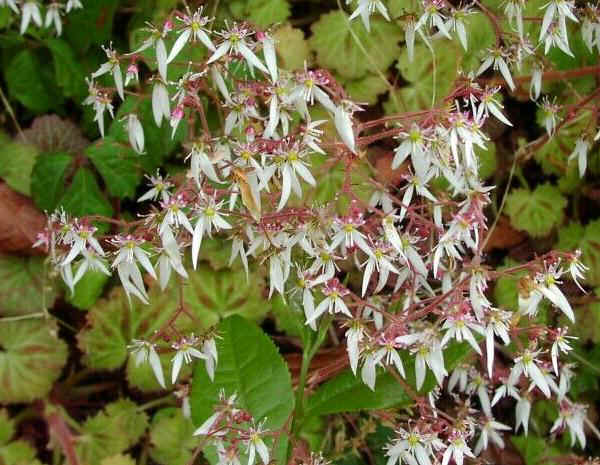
x: 46, y: 16
x: 417, y: 248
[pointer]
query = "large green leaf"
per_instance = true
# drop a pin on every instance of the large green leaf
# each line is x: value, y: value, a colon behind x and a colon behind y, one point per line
x: 537, y: 211
x: 251, y: 366
x: 171, y: 437
x: 428, y: 73
x: 113, y: 430
x: 263, y: 13
x: 31, y: 83
x: 91, y: 25
x: 535, y: 450
x: 347, y: 393
x: 338, y: 50
x: 24, y: 286
x: 48, y: 179
x: 16, y: 164
x: 366, y: 89
x: 31, y: 359
x: 84, y: 197
x: 69, y: 73
x: 292, y: 47
x: 118, y: 164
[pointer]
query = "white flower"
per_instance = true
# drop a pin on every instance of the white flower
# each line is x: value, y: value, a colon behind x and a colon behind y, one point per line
x: 572, y: 416
x: 513, y: 9
x: 234, y: 43
x: 489, y: 432
x: 457, y: 23
x: 577, y: 269
x: 347, y: 233
x: 380, y: 261
x: 413, y: 447
x: 556, y: 36
x: 174, y: 215
x: 527, y: 364
x: 73, y: 5
x: 136, y: 133
x: 560, y: 8
x: 497, y: 60
x: 333, y: 301
x: 125, y: 263
x: 429, y: 354
x: 186, y: 352
x: 255, y: 444
x: 549, y: 289
x: 209, y: 348
x: 491, y: 105
x: 522, y: 411
x: 194, y: 29
x: 30, y: 11
x: 505, y: 389
x: 207, y: 218
x: 433, y: 17
x: 91, y: 260
x: 160, y: 102
x: 498, y: 324
x: 366, y: 8
x: 535, y: 86
x: 459, y: 326
x: 354, y: 335
x: 113, y: 67
x: 457, y: 450
x: 53, y: 16
x: 291, y: 162
x: 237, y: 248
x: 12, y: 4
x: 100, y: 102
x: 270, y: 54
x: 560, y: 344
x: 459, y: 377
x: 580, y: 153
x: 145, y: 352
x: 169, y: 258
x: 343, y: 125
x: 160, y: 188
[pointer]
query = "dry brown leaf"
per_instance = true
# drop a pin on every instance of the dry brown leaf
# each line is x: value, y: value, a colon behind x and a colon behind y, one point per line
x: 20, y: 221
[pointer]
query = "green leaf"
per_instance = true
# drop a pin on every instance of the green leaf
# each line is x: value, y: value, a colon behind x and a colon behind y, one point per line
x: 16, y: 163
x: 171, y: 438
x: 31, y: 359
x: 91, y: 25
x: 18, y: 453
x: 24, y: 285
x: 538, y: 211
x: 118, y: 427
x: 48, y: 179
x: 118, y: 459
x: 7, y: 427
x: 88, y: 289
x: 347, y: 393
x: 535, y: 450
x: 292, y: 47
x: 289, y: 318
x: 251, y: 366
x: 208, y: 294
x: 487, y: 160
x: 69, y: 73
x: 31, y: 83
x: 366, y: 89
x: 264, y: 13
x: 337, y: 50
x: 118, y: 164
x: 84, y: 197
x: 428, y: 73
x: 570, y: 236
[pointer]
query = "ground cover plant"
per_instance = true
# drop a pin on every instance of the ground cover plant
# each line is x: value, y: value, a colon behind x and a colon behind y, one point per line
x: 295, y: 231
